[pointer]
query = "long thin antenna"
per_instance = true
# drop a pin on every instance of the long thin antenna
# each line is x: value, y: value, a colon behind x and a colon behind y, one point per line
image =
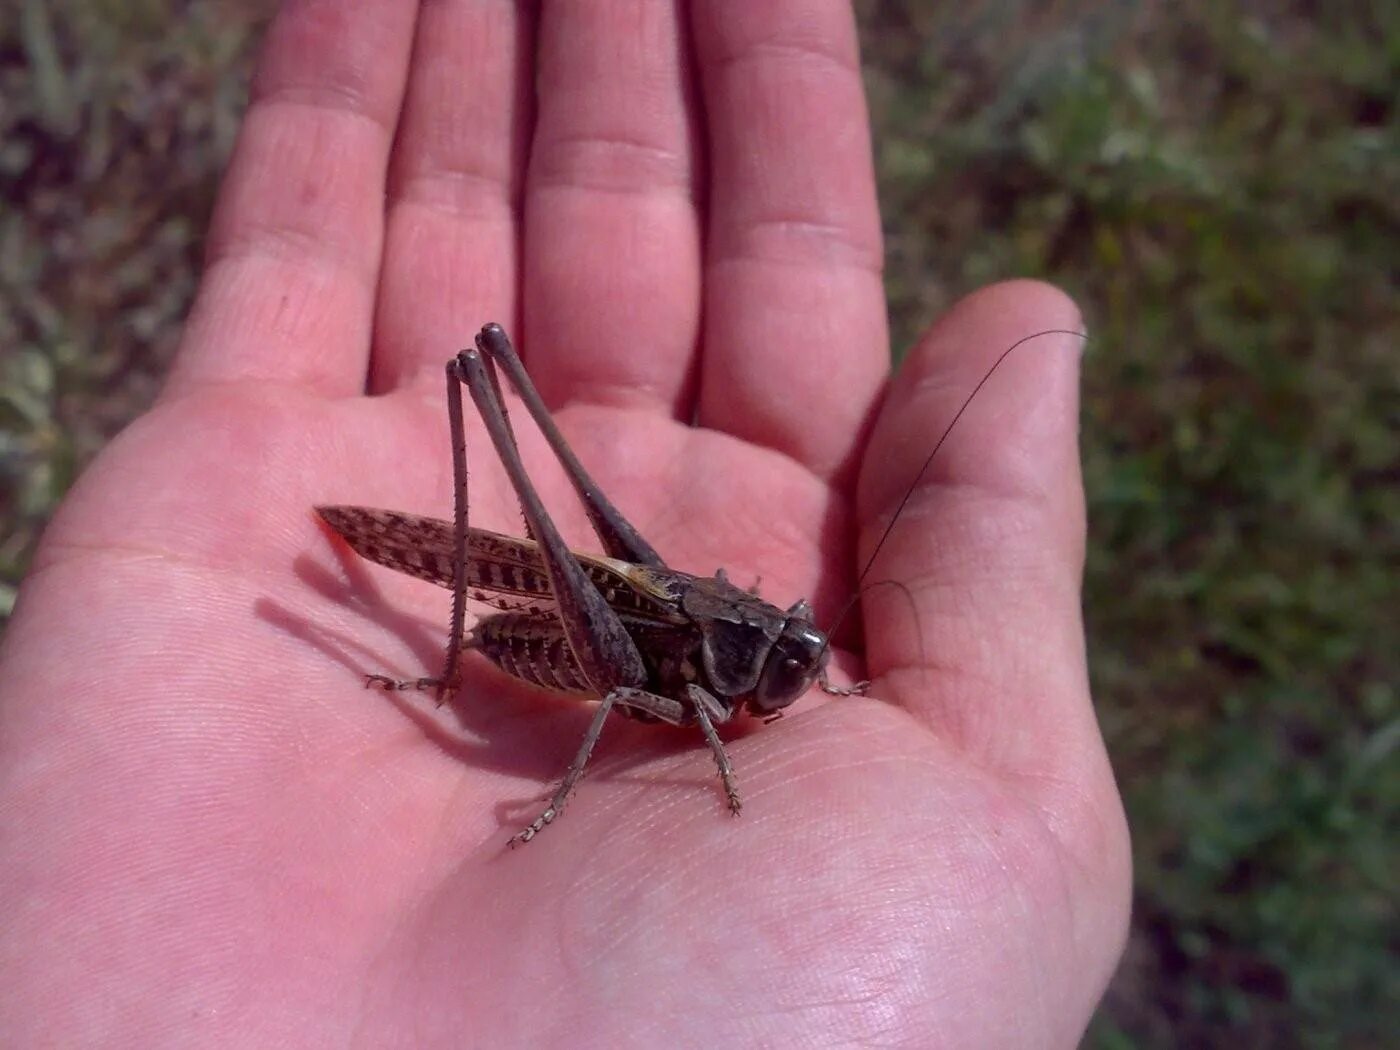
x: 913, y: 487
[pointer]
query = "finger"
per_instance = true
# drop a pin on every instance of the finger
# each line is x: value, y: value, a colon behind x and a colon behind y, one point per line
x: 612, y: 237
x: 991, y: 542
x: 451, y: 254
x: 795, y: 342
x: 293, y: 254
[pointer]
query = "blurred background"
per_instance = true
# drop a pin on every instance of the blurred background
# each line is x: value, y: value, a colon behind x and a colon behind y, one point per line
x: 1219, y: 187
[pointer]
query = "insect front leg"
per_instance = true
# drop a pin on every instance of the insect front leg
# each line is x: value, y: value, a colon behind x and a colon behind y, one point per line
x: 858, y: 689
x: 708, y: 711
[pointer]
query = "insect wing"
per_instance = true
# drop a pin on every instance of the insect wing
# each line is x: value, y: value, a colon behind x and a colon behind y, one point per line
x: 504, y: 572
x: 407, y: 543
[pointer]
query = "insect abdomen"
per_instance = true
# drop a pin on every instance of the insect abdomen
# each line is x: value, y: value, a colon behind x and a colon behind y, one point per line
x: 531, y: 647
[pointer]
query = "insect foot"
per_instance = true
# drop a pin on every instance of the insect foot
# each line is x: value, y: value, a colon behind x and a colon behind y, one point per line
x: 440, y: 687
x: 536, y: 826
x: 856, y: 689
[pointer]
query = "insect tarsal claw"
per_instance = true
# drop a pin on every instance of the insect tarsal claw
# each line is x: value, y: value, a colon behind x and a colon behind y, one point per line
x: 857, y: 689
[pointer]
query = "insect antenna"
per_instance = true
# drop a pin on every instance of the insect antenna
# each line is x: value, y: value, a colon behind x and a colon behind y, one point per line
x: 914, y: 485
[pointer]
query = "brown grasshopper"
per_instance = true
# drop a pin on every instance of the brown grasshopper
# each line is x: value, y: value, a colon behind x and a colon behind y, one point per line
x: 654, y: 642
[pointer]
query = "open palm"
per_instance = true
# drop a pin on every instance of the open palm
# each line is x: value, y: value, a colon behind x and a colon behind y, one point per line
x: 212, y: 834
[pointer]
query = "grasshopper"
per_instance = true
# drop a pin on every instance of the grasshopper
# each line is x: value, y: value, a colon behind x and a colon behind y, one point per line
x: 652, y: 642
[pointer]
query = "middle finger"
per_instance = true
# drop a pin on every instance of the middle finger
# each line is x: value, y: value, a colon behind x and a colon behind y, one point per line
x: 451, y: 244
x: 612, y: 235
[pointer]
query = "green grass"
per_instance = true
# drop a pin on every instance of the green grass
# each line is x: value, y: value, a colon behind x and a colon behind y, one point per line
x: 1219, y: 189
x: 1220, y: 192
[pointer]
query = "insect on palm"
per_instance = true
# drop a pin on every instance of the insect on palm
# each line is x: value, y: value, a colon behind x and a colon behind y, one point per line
x: 655, y: 643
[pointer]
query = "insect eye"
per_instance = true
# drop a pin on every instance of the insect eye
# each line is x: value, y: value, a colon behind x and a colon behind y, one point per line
x: 791, y: 668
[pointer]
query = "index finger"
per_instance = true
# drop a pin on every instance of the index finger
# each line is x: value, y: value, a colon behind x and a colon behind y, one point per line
x: 293, y: 253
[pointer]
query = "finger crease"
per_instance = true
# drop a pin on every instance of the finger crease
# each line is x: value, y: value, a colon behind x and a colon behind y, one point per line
x: 325, y: 98
x: 764, y: 53
x: 799, y: 242
x: 281, y: 243
x: 459, y: 193
x: 611, y: 164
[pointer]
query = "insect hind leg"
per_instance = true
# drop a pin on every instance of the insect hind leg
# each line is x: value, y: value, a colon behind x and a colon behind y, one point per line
x: 441, y: 686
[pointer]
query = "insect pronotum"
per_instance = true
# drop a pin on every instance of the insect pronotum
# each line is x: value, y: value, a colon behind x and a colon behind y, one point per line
x: 655, y: 643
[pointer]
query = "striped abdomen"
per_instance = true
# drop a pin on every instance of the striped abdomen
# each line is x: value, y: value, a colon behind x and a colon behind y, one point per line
x: 530, y: 647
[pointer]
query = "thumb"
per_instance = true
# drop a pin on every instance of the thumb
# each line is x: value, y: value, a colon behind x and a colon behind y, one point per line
x: 989, y: 547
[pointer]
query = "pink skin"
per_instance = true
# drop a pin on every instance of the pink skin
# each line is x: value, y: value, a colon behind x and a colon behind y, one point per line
x: 213, y: 836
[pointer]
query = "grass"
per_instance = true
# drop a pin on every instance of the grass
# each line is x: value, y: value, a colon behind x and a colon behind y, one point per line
x: 1218, y: 188
x: 1217, y: 185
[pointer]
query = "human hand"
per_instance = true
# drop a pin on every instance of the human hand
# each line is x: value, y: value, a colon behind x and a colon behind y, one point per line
x: 212, y: 831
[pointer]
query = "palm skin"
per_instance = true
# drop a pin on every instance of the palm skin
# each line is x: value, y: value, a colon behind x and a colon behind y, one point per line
x: 213, y: 834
